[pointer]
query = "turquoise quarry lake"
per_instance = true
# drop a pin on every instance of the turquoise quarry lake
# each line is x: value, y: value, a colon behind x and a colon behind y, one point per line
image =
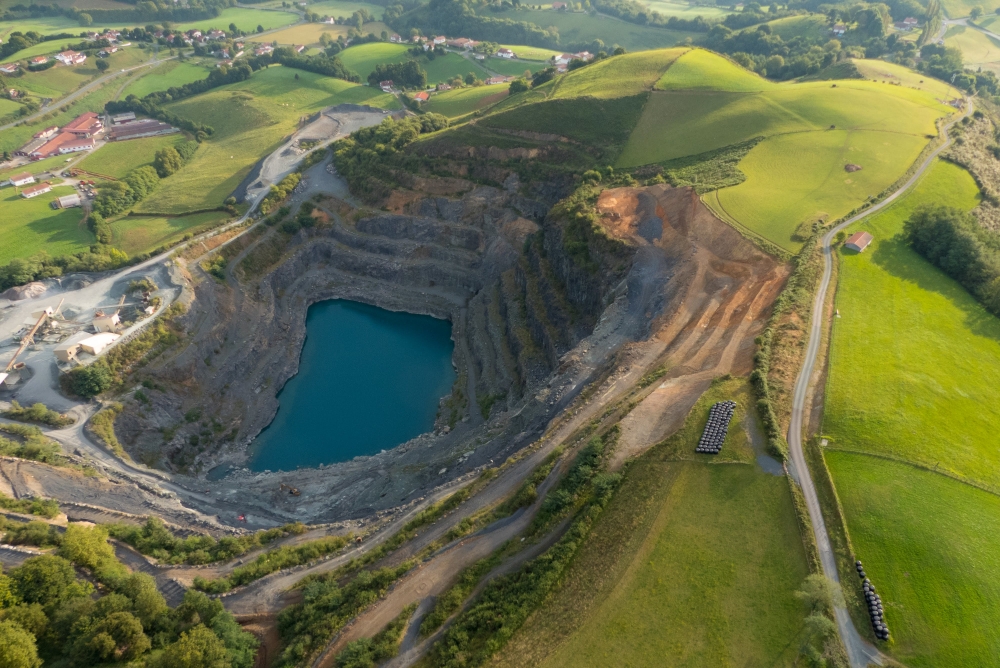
x: 368, y: 380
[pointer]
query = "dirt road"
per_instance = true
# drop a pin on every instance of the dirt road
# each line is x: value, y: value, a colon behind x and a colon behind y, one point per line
x: 859, y: 651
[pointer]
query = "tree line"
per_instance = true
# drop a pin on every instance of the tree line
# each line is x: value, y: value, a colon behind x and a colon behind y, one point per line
x: 954, y: 242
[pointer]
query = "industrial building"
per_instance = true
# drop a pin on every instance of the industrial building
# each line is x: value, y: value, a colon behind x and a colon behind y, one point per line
x: 147, y: 127
x: 96, y: 343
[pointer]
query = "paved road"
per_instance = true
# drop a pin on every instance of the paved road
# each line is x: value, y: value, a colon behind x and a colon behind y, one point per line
x: 859, y: 651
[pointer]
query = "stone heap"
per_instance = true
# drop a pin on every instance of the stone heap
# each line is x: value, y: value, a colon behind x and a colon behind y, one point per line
x: 717, y: 427
x: 874, y: 601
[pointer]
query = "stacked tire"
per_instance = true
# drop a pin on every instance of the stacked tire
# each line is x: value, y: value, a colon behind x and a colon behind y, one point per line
x: 717, y: 428
x: 874, y: 601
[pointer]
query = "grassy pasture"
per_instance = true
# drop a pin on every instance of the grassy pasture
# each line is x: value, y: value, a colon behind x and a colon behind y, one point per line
x: 167, y: 75
x: 364, y: 57
x: 28, y: 226
x: 514, y: 68
x: 812, y: 27
x: 691, y: 564
x: 310, y: 33
x: 929, y: 397
x: 698, y: 69
x: 345, y: 8
x: 583, y: 28
x: 8, y: 107
x: 42, y: 48
x: 245, y: 18
x: 59, y: 80
x: 531, y: 52
x: 929, y: 543
x: 977, y: 48
x: 800, y: 177
x: 136, y: 235
x: 461, y: 101
x: 959, y: 8
x: 250, y: 119
x: 685, y: 11
x: 616, y: 77
x: 443, y: 68
x: 118, y: 158
x: 879, y: 70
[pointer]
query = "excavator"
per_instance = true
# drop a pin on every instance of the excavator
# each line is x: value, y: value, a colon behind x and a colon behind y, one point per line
x: 29, y: 338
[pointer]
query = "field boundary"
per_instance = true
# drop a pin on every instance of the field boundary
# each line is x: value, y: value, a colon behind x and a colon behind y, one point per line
x: 917, y: 465
x: 761, y: 242
x: 153, y: 214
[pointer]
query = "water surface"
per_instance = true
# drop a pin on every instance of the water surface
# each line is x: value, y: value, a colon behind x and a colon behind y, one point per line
x: 368, y: 380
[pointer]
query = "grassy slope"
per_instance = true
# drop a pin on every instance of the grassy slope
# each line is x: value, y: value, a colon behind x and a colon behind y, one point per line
x: 930, y: 396
x: 929, y: 543
x: 118, y: 158
x: 514, y: 68
x: 583, y: 29
x: 28, y: 226
x: 309, y: 33
x: 686, y: 11
x: 617, y: 77
x: 978, y: 49
x: 345, y: 8
x: 137, y: 235
x: 165, y: 76
x: 879, y: 70
x: 251, y: 119
x: 531, y: 52
x: 461, y: 101
x: 245, y: 18
x: 363, y: 59
x: 692, y: 564
x: 813, y: 27
x: 792, y: 178
x: 58, y: 80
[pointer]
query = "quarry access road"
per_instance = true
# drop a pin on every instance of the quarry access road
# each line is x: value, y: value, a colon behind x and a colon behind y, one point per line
x: 859, y: 651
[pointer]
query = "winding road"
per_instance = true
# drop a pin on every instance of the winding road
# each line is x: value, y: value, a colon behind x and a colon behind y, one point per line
x: 859, y: 651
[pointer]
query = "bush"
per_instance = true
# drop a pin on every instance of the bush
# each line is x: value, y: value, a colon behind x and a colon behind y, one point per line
x: 89, y: 381
x: 39, y: 413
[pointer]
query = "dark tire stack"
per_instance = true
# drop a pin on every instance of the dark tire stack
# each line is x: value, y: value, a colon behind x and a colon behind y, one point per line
x: 717, y: 427
x: 874, y: 602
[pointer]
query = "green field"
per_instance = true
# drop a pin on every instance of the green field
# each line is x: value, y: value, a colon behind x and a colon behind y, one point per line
x: 28, y: 226
x: 136, y: 235
x: 583, y: 28
x: 171, y: 73
x: 811, y: 131
x: 514, y: 68
x: 531, y: 52
x: 929, y: 397
x: 617, y: 77
x: 338, y: 8
x: 118, y: 158
x: 310, y: 34
x: 245, y: 18
x: 691, y: 564
x: 59, y: 80
x: 363, y: 59
x: 879, y: 70
x: 977, y: 48
x: 813, y: 27
x: 250, y: 119
x: 8, y: 107
x: 55, y: 163
x: 686, y: 11
x: 930, y: 545
x: 461, y: 101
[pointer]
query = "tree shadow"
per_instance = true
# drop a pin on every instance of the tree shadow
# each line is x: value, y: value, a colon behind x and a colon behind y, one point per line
x: 895, y: 256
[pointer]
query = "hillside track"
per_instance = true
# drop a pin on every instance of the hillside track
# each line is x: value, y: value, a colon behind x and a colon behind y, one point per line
x: 860, y: 652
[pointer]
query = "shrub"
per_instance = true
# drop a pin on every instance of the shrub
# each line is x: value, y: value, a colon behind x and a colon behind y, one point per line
x: 39, y: 413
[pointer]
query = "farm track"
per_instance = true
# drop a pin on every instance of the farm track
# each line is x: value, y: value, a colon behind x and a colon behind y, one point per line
x: 860, y: 652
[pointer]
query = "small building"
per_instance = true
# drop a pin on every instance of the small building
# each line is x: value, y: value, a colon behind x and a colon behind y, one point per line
x: 480, y: 56
x: 97, y: 343
x: 839, y: 29
x: 439, y: 40
x: 386, y: 85
x: 107, y: 51
x: 224, y: 63
x: 39, y: 60
x: 493, y: 81
x: 505, y: 53
x: 299, y: 48
x: 422, y: 96
x: 858, y: 241
x: 216, y: 34
x: 35, y: 191
x: 77, y: 144
x: 106, y: 322
x: 71, y: 57
x: 127, y: 117
x: 460, y: 43
x: 263, y: 50
x: 395, y: 38
x: 443, y: 87
x: 22, y: 179
x: 68, y: 201
x: 10, y: 68
x: 68, y: 349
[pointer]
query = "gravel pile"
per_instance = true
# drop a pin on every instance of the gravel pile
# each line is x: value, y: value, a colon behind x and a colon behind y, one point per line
x: 717, y: 427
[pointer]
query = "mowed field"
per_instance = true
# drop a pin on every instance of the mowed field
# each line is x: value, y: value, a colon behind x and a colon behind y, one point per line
x: 978, y: 49
x: 364, y: 58
x: 577, y: 28
x: 691, y: 564
x: 141, y: 234
x: 461, y: 101
x: 245, y: 18
x: 309, y: 33
x: 118, y: 158
x: 29, y: 226
x: 879, y: 70
x: 812, y: 130
x: 250, y: 119
x: 930, y: 544
x: 167, y: 75
x: 931, y: 397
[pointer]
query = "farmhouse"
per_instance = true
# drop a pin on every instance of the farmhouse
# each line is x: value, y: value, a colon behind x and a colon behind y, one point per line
x: 9, y: 69
x: 386, y: 85
x: 440, y: 39
x: 22, y: 179
x: 39, y: 60
x: 462, y: 43
x: 224, y: 63
x: 838, y: 29
x: 422, y: 96
x: 263, y: 50
x: 146, y: 127
x: 216, y: 34
x: 107, y: 51
x: 67, y: 201
x: 396, y: 39
x: 299, y: 48
x: 35, y: 191
x: 858, y: 241
x: 84, y: 125
x: 71, y: 57
x: 492, y: 81
x: 443, y: 87
x: 505, y: 53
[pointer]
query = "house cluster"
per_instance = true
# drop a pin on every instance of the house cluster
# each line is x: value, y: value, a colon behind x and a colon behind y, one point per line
x: 77, y: 135
x: 263, y: 50
x: 493, y: 81
x: 192, y: 37
x: 563, y: 60
x: 127, y: 126
x: 71, y: 57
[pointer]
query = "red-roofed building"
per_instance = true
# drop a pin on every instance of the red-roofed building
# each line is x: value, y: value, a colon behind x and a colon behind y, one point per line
x: 84, y: 125
x: 35, y: 191
x: 858, y: 241
x: 47, y: 132
x: 422, y: 96
x: 39, y: 60
x: 386, y: 85
x: 22, y: 179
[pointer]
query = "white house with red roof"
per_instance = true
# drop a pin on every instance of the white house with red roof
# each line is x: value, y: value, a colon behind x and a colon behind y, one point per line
x: 71, y: 57
x: 505, y: 53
